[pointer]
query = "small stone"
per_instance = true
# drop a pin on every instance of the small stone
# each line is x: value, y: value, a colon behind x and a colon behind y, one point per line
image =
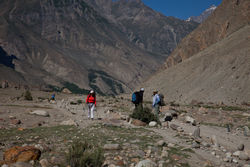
x: 195, y: 145
x: 40, y: 113
x: 164, y: 154
x: 165, y: 124
x: 174, y: 126
x: 161, y: 143
x: 69, y: 123
x: 241, y: 147
x: 228, y: 155
x: 205, y: 144
x: 214, y: 141
x: 196, y: 133
x: 171, y: 145
x: 15, y: 121
x: 179, y: 129
x: 44, y: 163
x: 191, y: 120
x: 246, y: 131
x: 111, y: 147
x: 217, y: 156
x: 235, y: 161
x: 237, y: 153
x: 4, y: 165
x: 146, y: 163
x: 213, y: 153
x: 152, y: 124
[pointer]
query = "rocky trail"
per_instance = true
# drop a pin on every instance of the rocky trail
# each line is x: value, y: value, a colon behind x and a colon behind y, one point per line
x: 199, y: 134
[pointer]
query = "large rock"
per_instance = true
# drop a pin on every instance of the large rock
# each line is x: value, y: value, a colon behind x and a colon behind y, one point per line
x: 152, y: 124
x: 137, y: 122
x: 146, y: 163
x: 66, y: 90
x: 21, y: 154
x: 111, y: 147
x: 40, y: 113
x: 191, y: 120
x: 69, y: 123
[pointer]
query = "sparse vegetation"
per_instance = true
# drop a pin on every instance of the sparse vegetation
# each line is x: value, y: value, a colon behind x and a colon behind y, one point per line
x: 144, y: 114
x: 83, y: 154
x: 27, y: 95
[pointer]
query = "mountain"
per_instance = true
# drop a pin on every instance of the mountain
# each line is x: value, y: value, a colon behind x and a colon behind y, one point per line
x: 211, y: 64
x: 69, y: 43
x: 146, y: 28
x: 204, y: 15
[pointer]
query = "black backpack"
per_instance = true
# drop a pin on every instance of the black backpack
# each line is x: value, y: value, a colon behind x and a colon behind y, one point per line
x: 161, y: 102
x: 135, y: 97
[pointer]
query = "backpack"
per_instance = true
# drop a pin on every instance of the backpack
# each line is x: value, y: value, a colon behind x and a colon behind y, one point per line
x: 135, y: 97
x: 161, y: 102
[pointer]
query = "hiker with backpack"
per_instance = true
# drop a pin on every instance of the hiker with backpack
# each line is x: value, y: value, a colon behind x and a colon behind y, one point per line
x: 91, y: 102
x: 156, y: 103
x: 137, y: 98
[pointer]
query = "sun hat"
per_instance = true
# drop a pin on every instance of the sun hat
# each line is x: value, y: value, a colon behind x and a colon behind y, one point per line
x: 142, y: 89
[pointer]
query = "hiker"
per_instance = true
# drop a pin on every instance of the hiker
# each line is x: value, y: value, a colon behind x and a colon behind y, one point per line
x: 53, y: 97
x: 137, y: 98
x: 156, y: 101
x: 91, y: 102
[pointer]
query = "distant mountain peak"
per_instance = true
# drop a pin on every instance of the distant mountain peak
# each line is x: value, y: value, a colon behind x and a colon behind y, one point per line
x: 203, y: 16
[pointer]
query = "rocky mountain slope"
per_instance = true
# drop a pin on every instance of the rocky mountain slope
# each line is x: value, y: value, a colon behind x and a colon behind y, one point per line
x: 62, y: 43
x: 143, y: 26
x: 229, y: 17
x: 204, y: 15
x: 212, y: 63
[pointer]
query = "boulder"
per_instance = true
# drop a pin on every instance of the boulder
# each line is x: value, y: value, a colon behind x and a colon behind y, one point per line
x: 137, y: 122
x: 241, y: 147
x: 111, y: 147
x: 69, y: 123
x: 146, y: 163
x: 67, y: 91
x: 40, y: 113
x: 243, y: 156
x: 152, y: 124
x: 191, y: 120
x: 21, y: 154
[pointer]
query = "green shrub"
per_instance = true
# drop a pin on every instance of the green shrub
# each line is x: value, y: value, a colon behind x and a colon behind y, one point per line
x: 27, y: 95
x: 79, y: 101
x: 144, y: 115
x: 82, y: 154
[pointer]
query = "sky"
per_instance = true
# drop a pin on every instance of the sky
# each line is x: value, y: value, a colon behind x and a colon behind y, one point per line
x: 181, y: 9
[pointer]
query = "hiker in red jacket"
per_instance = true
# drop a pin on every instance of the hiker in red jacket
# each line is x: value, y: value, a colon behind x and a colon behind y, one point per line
x: 91, y: 102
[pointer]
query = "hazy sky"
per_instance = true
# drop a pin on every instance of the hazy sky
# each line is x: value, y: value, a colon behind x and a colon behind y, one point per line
x: 181, y: 8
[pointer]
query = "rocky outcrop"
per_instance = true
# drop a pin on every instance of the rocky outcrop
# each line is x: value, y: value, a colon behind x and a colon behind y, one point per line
x: 229, y: 17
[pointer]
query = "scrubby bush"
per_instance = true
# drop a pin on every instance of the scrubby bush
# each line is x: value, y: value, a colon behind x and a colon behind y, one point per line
x: 82, y: 154
x: 79, y: 101
x: 27, y: 95
x: 144, y: 115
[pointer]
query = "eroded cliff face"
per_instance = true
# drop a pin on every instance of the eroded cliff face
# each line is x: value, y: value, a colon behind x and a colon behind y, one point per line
x: 229, y: 17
